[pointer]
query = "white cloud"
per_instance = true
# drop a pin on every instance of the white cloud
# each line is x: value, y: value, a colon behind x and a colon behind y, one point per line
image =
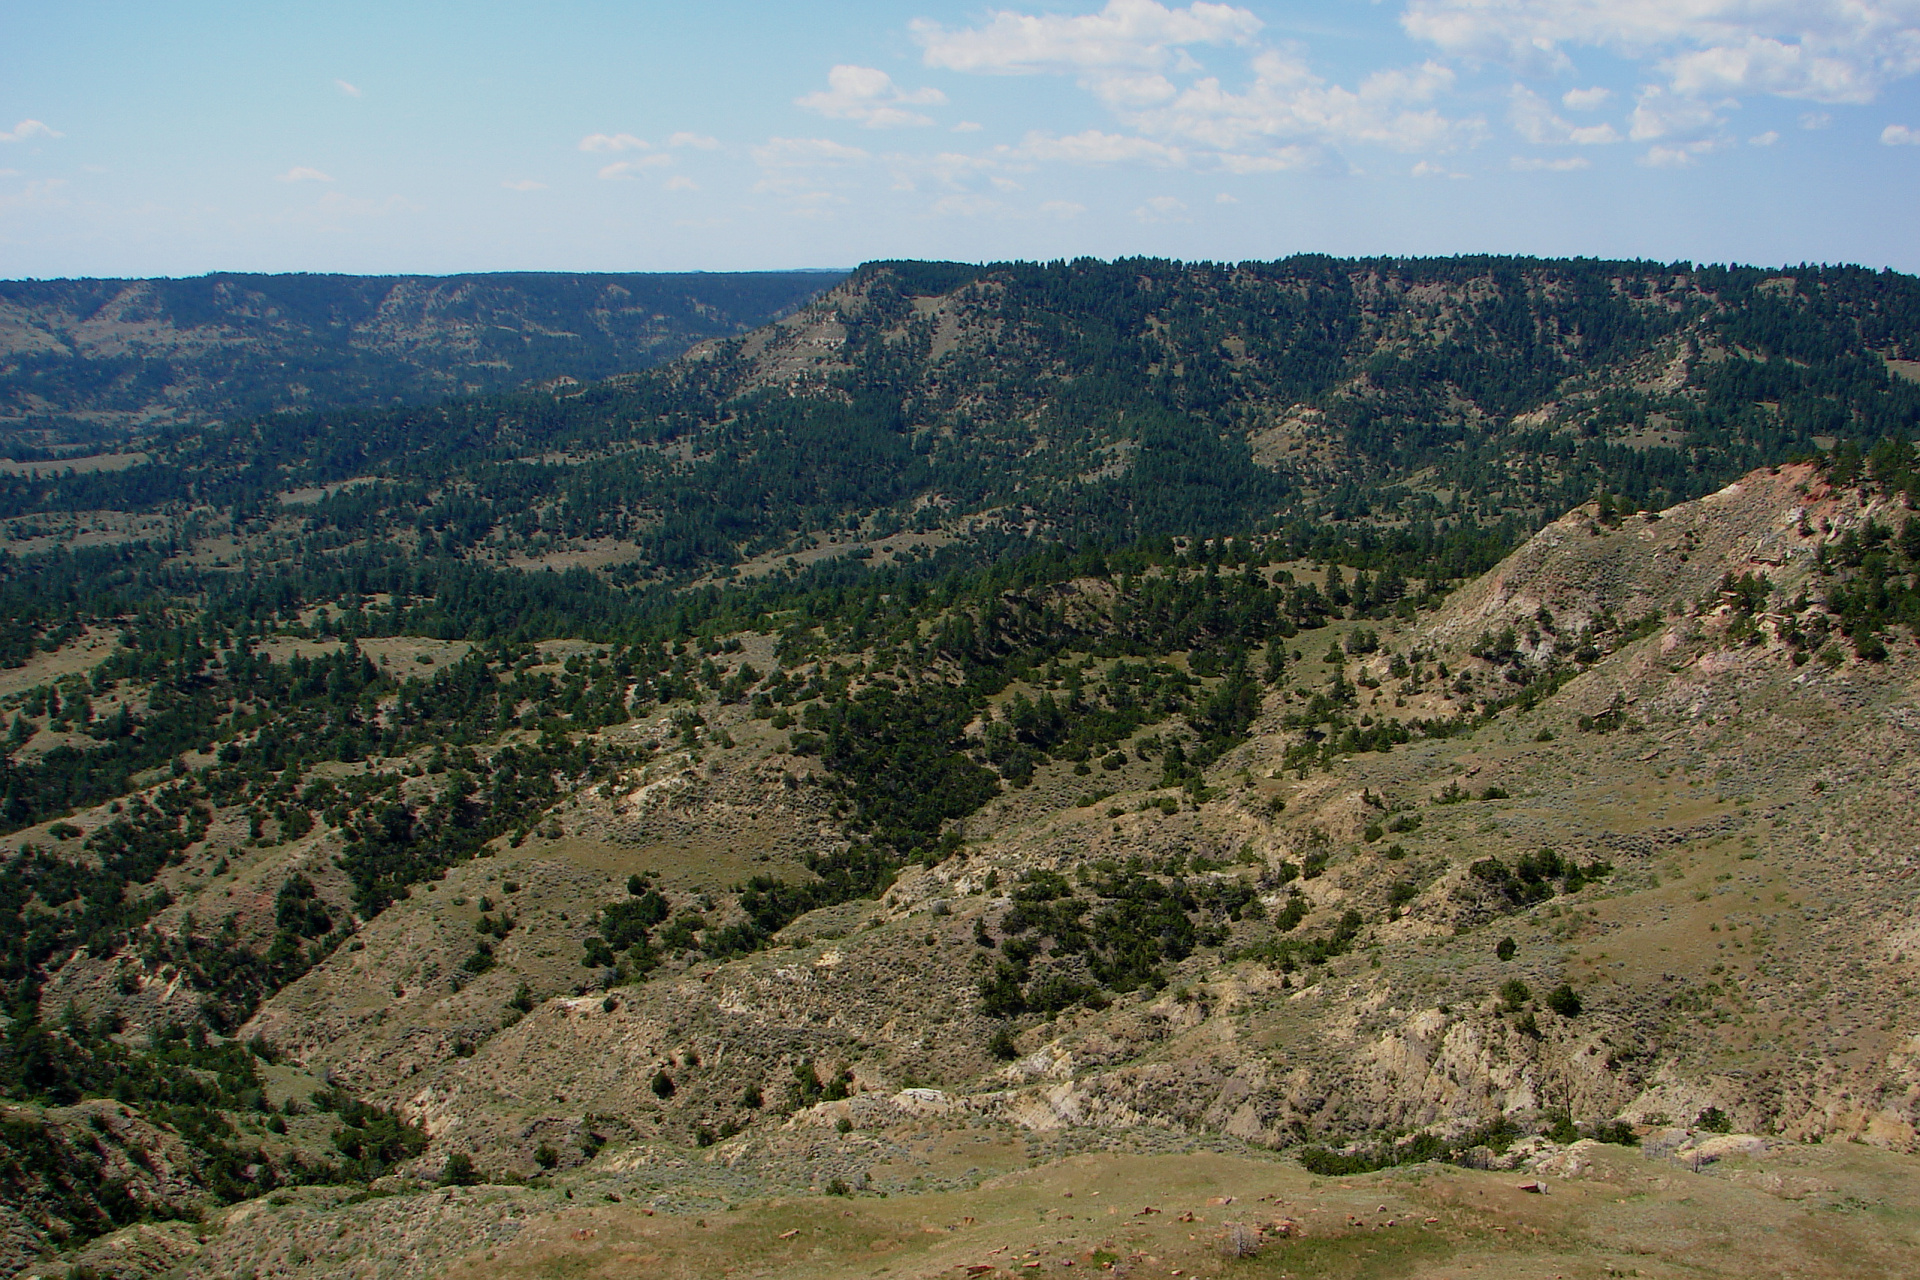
x: 698, y: 141
x: 1562, y: 164
x: 1659, y: 114
x: 1224, y: 198
x: 1062, y: 209
x: 786, y: 153
x: 1586, y: 99
x: 1133, y: 56
x: 1162, y: 209
x: 681, y: 182
x: 955, y: 168
x: 614, y: 142
x: 1816, y: 120
x: 29, y: 129
x: 524, y: 184
x: 1428, y: 169
x: 1823, y: 50
x: 1679, y: 155
x: 1535, y: 121
x: 1094, y: 147
x: 301, y: 173
x: 1288, y: 102
x: 1279, y: 160
x: 636, y: 166
x: 1766, y: 139
x: 1127, y: 34
x: 812, y: 204
x: 965, y: 205
x: 1900, y: 135
x: 40, y: 193
x: 798, y: 167
x: 967, y: 126
x: 869, y: 96
x: 351, y: 90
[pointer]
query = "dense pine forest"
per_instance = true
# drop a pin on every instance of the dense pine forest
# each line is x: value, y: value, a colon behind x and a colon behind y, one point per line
x: 991, y: 517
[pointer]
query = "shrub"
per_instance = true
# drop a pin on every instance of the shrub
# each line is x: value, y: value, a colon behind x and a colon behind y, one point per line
x: 1563, y: 1001
x: 1618, y: 1132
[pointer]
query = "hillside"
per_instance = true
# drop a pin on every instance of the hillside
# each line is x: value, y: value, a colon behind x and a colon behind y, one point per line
x: 94, y: 361
x: 929, y: 410
x: 395, y: 889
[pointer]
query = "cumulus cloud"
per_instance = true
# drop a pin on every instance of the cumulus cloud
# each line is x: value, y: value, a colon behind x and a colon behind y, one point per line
x: 1535, y: 121
x: 965, y: 205
x: 698, y: 141
x: 1766, y: 139
x: 614, y: 142
x: 1823, y: 50
x: 1278, y: 160
x: 1135, y: 57
x: 1091, y: 146
x: 787, y: 153
x: 302, y: 173
x: 798, y: 167
x: 1162, y: 209
x: 1680, y: 155
x: 1900, y: 135
x: 636, y: 166
x: 1062, y: 209
x: 42, y: 193
x: 681, y: 182
x: 351, y: 90
x: 1586, y: 99
x: 870, y: 97
x: 1287, y: 102
x: 29, y: 129
x: 1542, y: 164
x: 1127, y: 34
x: 1660, y: 114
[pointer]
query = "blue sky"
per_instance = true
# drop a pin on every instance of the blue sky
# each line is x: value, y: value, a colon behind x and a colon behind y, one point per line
x: 150, y: 139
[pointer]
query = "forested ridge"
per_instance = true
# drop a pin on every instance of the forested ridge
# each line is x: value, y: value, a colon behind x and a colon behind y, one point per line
x: 1099, y: 400
x: 1077, y: 513
x: 85, y: 363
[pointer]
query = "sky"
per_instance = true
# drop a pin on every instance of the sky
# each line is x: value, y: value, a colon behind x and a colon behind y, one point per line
x: 144, y: 139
